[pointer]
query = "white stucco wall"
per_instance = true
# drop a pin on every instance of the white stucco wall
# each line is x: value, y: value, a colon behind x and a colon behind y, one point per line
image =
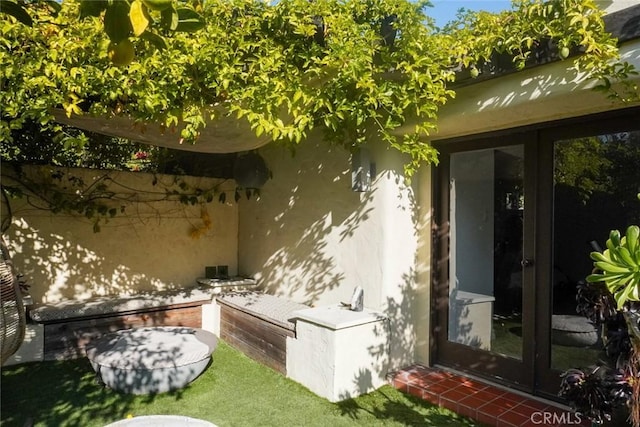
x: 537, y: 95
x: 149, y: 247
x: 611, y: 6
x: 312, y: 239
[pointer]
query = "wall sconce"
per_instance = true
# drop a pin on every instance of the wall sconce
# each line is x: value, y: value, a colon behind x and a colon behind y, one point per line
x: 362, y: 170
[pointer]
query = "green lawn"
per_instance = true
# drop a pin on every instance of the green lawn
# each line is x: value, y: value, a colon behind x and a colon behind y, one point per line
x: 233, y: 391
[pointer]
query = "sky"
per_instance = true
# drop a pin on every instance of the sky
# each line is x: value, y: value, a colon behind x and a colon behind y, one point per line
x: 444, y: 11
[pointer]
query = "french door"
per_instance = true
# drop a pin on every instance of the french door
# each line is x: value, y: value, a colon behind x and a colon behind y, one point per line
x: 517, y: 215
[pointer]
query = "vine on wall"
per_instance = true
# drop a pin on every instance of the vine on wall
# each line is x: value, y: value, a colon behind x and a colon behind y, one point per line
x: 106, y: 195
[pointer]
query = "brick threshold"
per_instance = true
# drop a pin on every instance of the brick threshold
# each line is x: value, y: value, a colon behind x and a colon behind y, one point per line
x: 485, y: 403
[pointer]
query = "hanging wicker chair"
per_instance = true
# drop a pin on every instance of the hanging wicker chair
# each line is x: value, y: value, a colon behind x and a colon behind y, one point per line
x: 12, y: 316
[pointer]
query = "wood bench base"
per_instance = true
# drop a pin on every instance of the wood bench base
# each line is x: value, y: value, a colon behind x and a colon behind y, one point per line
x: 259, y: 325
x: 262, y: 341
x: 64, y: 339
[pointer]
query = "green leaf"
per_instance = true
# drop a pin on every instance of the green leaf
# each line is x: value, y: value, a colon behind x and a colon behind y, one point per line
x: 92, y: 8
x: 117, y: 24
x: 54, y: 5
x: 189, y: 20
x: 625, y: 257
x: 628, y: 293
x: 138, y: 17
x: 595, y: 278
x: 157, y: 41
x: 633, y: 233
x: 611, y: 268
x: 614, y: 236
x: 597, y: 256
x: 157, y: 4
x: 17, y: 11
x: 169, y: 18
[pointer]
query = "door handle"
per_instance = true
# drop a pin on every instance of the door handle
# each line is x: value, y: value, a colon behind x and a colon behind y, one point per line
x: 526, y: 262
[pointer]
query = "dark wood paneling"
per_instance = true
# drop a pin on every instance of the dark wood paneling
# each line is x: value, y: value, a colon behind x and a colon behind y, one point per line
x: 262, y: 341
x: 68, y: 339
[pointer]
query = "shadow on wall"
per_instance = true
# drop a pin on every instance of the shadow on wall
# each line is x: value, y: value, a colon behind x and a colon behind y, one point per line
x: 312, y: 239
x: 146, y: 248
x: 316, y: 270
x: 58, y: 267
x: 540, y: 94
x: 301, y: 234
x: 402, y: 316
x: 395, y: 349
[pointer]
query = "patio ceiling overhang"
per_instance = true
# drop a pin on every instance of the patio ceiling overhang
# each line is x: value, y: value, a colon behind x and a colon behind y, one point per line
x: 223, y: 135
x: 540, y: 94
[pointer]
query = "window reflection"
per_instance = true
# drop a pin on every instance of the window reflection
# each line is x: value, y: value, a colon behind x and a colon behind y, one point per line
x: 596, y: 180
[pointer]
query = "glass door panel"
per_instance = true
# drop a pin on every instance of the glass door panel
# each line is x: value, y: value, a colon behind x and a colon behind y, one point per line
x: 596, y: 180
x: 486, y: 207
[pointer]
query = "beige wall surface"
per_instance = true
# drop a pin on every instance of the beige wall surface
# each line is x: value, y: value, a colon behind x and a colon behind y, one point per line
x: 312, y: 239
x: 147, y: 248
x: 537, y: 95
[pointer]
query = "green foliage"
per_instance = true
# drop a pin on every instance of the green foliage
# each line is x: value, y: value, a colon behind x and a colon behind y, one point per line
x: 123, y: 18
x: 583, y: 164
x: 70, y: 147
x: 284, y: 67
x: 619, y: 265
x: 599, y: 165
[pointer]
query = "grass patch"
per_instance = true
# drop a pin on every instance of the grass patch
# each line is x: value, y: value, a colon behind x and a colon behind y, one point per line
x: 233, y: 391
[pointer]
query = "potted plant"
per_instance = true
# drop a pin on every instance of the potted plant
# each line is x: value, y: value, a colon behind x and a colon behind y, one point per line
x: 611, y: 297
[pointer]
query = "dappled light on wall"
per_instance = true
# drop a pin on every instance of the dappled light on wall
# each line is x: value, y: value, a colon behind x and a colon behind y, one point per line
x: 57, y: 268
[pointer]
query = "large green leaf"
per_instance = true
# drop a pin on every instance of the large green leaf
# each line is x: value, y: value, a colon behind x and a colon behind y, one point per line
x: 92, y: 7
x: 189, y: 20
x: 139, y: 18
x: 117, y: 24
x: 16, y: 10
x: 169, y: 18
x: 54, y: 6
x: 154, y: 39
x: 633, y: 234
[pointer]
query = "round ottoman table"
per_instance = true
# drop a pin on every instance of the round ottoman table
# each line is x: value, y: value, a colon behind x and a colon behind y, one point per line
x: 573, y: 331
x: 151, y: 360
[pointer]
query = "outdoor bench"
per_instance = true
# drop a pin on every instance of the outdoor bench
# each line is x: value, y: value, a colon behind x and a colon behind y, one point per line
x: 69, y: 325
x: 255, y: 323
x: 258, y: 324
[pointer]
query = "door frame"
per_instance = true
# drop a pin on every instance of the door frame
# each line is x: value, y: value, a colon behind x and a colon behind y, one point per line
x: 533, y: 374
x: 496, y: 367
